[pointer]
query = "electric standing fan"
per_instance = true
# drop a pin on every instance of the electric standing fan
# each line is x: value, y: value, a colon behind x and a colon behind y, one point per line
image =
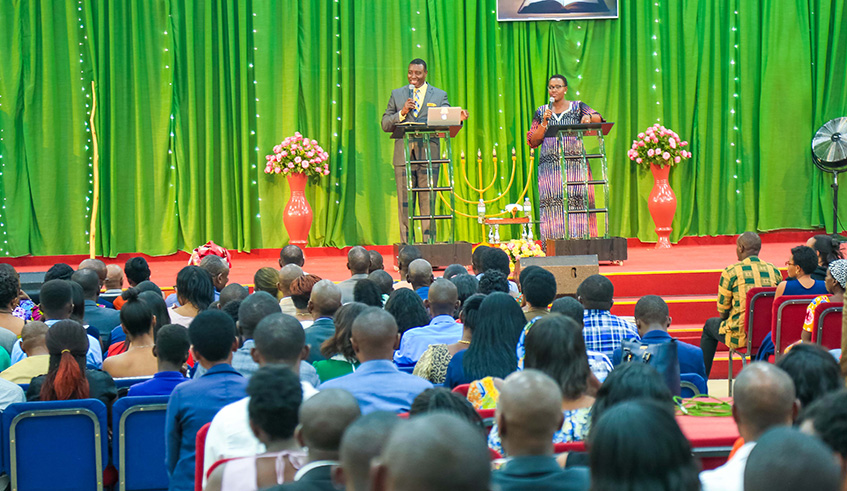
x: 829, y: 153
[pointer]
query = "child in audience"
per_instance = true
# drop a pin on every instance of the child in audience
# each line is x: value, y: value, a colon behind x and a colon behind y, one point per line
x: 137, y: 321
x: 171, y: 352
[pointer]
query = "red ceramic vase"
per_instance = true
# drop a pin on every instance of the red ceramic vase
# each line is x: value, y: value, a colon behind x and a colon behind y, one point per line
x: 297, y: 216
x: 662, y: 205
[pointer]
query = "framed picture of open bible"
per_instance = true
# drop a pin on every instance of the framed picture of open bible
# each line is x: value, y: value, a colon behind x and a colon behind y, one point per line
x: 523, y: 10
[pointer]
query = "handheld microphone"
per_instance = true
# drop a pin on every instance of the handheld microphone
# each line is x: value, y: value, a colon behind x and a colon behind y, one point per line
x: 550, y: 104
x: 411, y: 91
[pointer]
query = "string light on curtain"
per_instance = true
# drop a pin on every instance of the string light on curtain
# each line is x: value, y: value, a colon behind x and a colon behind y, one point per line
x: 4, y: 248
x: 656, y: 61
x: 337, y: 110
x: 90, y: 195
x: 733, y: 101
x: 252, y: 72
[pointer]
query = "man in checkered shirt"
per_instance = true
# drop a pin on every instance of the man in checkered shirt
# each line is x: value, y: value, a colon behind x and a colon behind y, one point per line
x: 603, y: 331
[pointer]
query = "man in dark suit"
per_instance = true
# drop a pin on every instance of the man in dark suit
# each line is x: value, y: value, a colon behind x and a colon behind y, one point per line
x: 100, y: 318
x: 323, y: 302
x: 406, y: 105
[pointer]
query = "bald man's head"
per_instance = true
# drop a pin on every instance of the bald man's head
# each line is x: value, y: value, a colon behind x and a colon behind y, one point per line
x: 97, y: 266
x: 374, y: 335
x: 764, y: 397
x: 114, y: 277
x: 434, y: 451
x: 34, y: 338
x: 364, y: 441
x: 323, y: 419
x: 748, y: 244
x: 358, y: 260
x: 325, y: 299
x: 529, y: 412
x: 287, y: 274
x: 443, y: 297
x: 420, y: 273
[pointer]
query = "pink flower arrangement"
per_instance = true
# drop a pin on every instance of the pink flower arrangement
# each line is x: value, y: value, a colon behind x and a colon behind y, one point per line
x: 298, y: 155
x: 658, y: 145
x: 521, y: 248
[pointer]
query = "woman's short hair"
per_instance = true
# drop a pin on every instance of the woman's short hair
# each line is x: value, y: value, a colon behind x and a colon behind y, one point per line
x: 805, y: 258
x: 194, y: 285
x: 10, y: 286
x: 444, y: 400
x: 560, y: 77
x: 633, y: 380
x: 554, y: 345
x: 275, y: 397
x: 814, y: 370
x: 638, y: 445
x: 339, y: 343
x: 367, y: 292
x: 492, y: 350
x: 407, y: 308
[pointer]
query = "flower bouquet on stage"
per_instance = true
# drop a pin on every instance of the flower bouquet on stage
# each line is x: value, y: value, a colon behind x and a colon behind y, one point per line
x: 660, y: 149
x: 298, y: 158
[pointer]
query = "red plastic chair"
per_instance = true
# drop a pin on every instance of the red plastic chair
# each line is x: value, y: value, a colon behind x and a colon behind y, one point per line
x: 759, y: 303
x: 826, y: 330
x: 789, y: 312
x: 199, y: 448
x: 569, y: 447
x: 462, y: 389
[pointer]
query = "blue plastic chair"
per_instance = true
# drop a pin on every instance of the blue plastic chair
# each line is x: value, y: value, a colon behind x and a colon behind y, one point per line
x: 692, y: 385
x: 69, y: 437
x: 138, y: 443
x: 126, y: 382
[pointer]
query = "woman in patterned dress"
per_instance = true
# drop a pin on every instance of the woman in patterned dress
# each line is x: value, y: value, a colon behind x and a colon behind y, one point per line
x: 550, y: 185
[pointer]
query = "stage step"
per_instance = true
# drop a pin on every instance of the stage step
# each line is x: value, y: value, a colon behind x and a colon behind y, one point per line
x: 684, y: 309
x: 638, y: 284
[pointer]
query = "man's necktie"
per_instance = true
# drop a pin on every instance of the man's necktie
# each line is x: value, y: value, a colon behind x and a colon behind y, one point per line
x: 417, y: 102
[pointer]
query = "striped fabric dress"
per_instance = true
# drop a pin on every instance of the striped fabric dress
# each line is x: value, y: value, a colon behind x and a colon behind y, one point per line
x: 554, y: 223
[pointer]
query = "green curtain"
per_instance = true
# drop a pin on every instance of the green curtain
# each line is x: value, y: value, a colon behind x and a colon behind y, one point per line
x: 192, y: 94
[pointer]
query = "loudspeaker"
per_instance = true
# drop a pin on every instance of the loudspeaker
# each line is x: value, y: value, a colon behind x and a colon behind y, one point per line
x: 441, y: 255
x: 569, y: 271
x: 31, y: 284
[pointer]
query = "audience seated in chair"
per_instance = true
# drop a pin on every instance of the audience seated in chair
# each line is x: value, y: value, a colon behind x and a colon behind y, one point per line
x: 194, y: 403
x: 291, y: 254
x: 98, y: 267
x: 218, y: 271
x: 137, y: 271
x: 493, y: 281
x: 736, y: 280
x: 358, y: 262
x: 275, y: 396
x: 377, y: 384
x: 230, y: 293
x: 602, y: 330
x: 368, y: 293
x: 279, y: 339
x: 153, y: 300
x: 835, y: 280
x: 10, y: 292
x: 301, y: 294
x: 442, y: 302
x: 433, y: 363
x: 800, y: 266
x: 101, y: 319
x: 407, y: 254
x: 539, y: 290
x: 764, y: 398
x: 114, y: 283
x: 408, y: 310
x: 528, y: 415
x: 34, y: 345
x: 195, y: 292
x: 324, y: 301
x: 266, y: 280
x: 786, y: 459
x: 171, y: 352
x: 814, y: 371
x: 363, y: 442
x: 494, y: 258
x: 420, y: 277
x: 339, y: 357
x: 323, y: 421
x: 383, y: 281
x: 137, y: 321
x: 376, y: 262
x: 287, y: 275
x: 433, y: 451
x: 828, y: 250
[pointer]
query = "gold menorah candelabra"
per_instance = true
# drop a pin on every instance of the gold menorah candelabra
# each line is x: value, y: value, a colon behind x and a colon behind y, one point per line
x: 494, y: 220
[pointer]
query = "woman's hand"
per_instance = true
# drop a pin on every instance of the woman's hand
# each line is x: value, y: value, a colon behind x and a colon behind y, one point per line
x: 545, y: 118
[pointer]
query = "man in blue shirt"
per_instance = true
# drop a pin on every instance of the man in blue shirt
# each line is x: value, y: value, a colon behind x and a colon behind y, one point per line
x: 193, y: 404
x: 443, y: 329
x: 377, y: 384
x: 171, y: 352
x: 603, y: 331
x: 653, y: 319
x: 324, y: 301
x: 420, y: 277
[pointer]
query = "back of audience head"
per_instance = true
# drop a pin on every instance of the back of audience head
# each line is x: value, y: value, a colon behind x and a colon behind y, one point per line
x: 529, y: 412
x: 813, y: 370
x: 496, y: 258
x: 89, y: 281
x: 149, y: 286
x: 651, y: 312
x: 339, y: 343
x: 764, y: 397
x: 34, y: 338
x: 447, y: 453
x: 827, y: 247
x: 367, y: 292
x: 555, y: 346
x: 466, y: 285
x: 212, y: 335
x: 493, y: 281
x: 323, y: 419
x: 440, y: 399
x: 363, y: 441
x: 443, y: 298
x: 275, y: 397
x: 10, y: 287
x: 287, y: 274
x: 630, y: 381
x: 59, y: 271
x: 194, y: 286
x: 67, y: 344
x: 157, y: 306
x: 805, y: 258
x: 279, y: 338
x: 291, y: 254
x: 492, y: 351
x: 569, y: 307
x: 218, y: 269
x: 383, y: 280
x: 787, y: 459
x: 407, y: 254
x: 232, y: 291
x: 114, y: 277
x: 470, y: 311
x: 325, y: 299
x: 539, y: 288
x: 301, y: 290
x: 231, y: 309
x: 638, y: 445
x: 826, y: 419
x: 358, y: 260
x: 454, y: 270
x: 407, y: 308
x: 96, y: 265
x: 137, y: 317
x: 526, y: 271
x: 136, y: 270
x: 253, y: 309
x: 172, y: 345
x: 56, y: 299
x: 78, y: 313
x: 596, y: 292
x: 265, y: 280
x: 374, y: 335
x: 476, y: 259
x: 420, y: 273
x: 376, y: 262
